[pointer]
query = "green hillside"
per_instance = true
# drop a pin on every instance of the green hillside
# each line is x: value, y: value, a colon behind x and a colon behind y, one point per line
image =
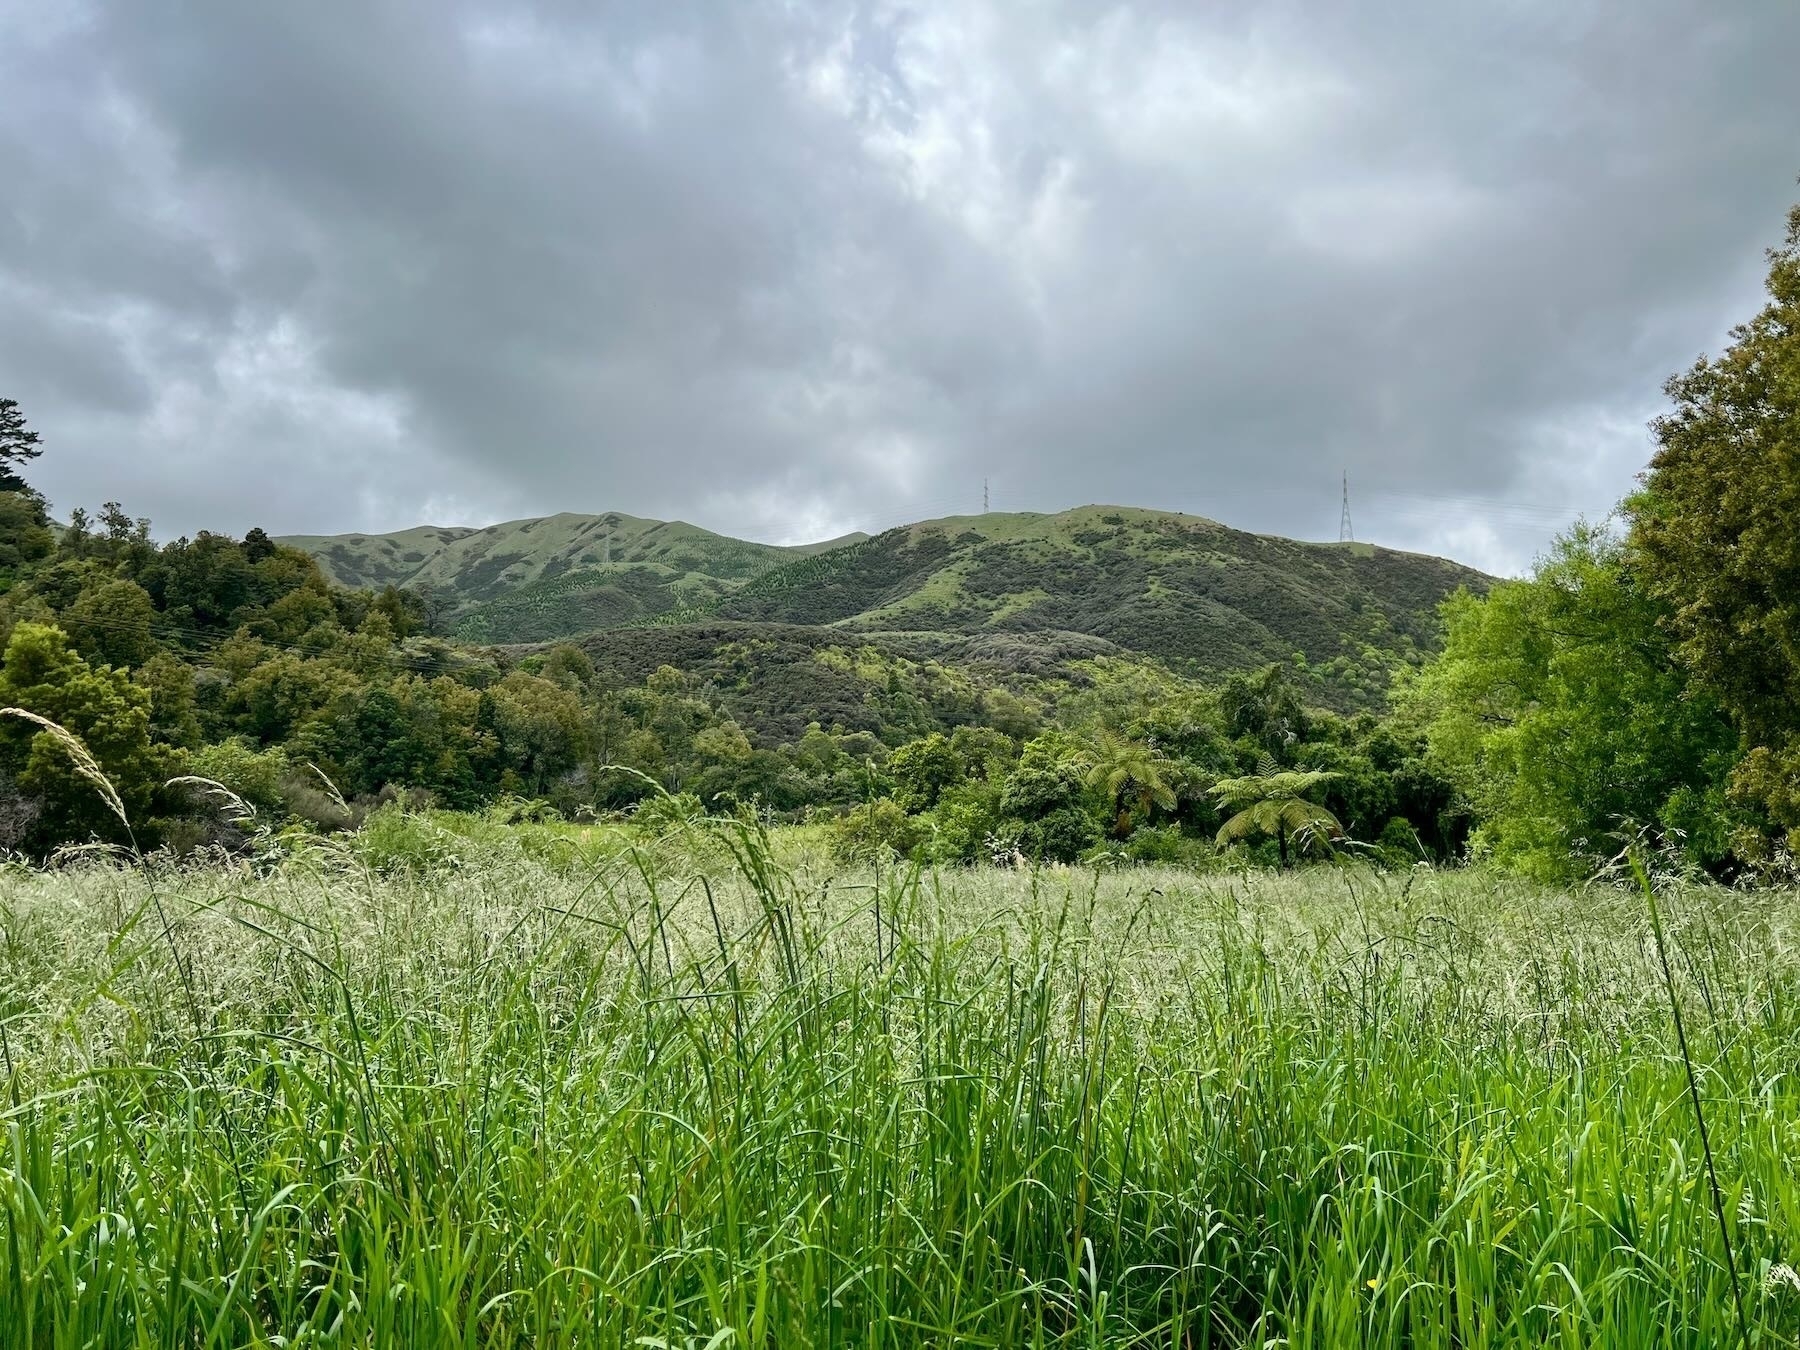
x: 549, y: 577
x: 1012, y: 591
x: 1203, y: 597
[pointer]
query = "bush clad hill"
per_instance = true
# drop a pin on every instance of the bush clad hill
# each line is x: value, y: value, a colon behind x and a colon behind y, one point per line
x: 1205, y: 598
x: 1103, y: 684
x: 538, y: 580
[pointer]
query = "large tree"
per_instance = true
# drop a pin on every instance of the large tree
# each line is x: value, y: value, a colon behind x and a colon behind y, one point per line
x: 1045, y: 801
x: 923, y: 769
x: 1558, y: 709
x: 1716, y: 531
x: 18, y: 446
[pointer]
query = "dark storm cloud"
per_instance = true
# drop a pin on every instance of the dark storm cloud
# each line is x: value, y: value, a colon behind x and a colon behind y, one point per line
x: 788, y: 269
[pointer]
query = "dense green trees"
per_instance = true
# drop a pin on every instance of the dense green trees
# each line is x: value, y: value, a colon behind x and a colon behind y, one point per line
x: 166, y: 657
x: 51, y: 801
x: 1716, y: 535
x: 1559, y: 710
x: 1140, y: 767
x: 1651, y: 681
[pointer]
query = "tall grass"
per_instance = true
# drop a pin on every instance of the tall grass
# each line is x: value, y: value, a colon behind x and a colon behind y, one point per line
x: 696, y: 1095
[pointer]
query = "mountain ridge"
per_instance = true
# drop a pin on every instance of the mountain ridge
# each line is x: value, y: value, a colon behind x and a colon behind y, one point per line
x: 542, y: 577
x: 431, y: 554
x: 1187, y: 590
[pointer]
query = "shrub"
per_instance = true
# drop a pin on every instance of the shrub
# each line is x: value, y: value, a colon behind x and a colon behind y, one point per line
x: 254, y: 775
x: 1061, y: 836
x: 511, y: 810
x: 314, y: 800
x: 924, y: 769
x: 667, y: 811
x: 961, y: 826
x: 395, y: 841
x: 1399, y: 844
x: 876, y: 829
x: 1160, y: 844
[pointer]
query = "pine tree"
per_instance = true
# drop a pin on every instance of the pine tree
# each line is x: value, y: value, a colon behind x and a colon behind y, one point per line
x: 18, y: 446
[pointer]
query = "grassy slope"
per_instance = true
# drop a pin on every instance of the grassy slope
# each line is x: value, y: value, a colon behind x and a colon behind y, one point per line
x: 1206, y: 598
x: 1182, y: 588
x: 516, y: 1097
x: 539, y: 579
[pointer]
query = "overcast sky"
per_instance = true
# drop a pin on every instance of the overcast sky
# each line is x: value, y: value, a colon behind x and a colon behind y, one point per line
x: 787, y: 269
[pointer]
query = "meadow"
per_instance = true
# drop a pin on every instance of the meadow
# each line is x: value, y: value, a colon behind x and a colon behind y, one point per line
x: 506, y: 1088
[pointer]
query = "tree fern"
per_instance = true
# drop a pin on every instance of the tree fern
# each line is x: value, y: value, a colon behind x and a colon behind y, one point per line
x: 1272, y: 801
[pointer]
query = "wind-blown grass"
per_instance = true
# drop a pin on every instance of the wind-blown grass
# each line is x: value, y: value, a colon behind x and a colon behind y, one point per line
x: 499, y: 1101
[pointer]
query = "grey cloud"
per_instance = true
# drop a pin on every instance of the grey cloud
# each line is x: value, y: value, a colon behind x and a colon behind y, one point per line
x: 786, y: 268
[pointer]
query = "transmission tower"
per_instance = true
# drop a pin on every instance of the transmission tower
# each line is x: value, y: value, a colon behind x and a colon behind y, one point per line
x: 984, y: 497
x: 1346, y: 535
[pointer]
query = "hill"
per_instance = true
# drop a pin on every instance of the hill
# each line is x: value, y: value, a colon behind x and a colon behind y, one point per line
x: 1201, y: 596
x: 1012, y: 591
x: 539, y: 579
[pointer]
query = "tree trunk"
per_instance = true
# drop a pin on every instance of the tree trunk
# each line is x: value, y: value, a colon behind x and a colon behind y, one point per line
x: 1281, y: 838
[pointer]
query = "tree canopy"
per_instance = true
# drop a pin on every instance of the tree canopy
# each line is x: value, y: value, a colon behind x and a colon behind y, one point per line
x: 1716, y: 534
x: 1558, y: 708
